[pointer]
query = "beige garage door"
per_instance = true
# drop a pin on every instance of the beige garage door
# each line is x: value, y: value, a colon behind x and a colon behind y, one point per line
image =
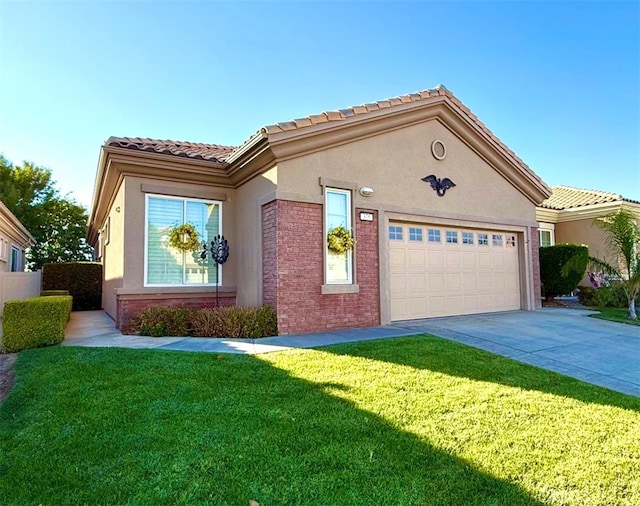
x: 441, y: 271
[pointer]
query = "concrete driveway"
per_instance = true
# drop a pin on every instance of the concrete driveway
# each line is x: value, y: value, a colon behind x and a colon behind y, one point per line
x: 562, y: 340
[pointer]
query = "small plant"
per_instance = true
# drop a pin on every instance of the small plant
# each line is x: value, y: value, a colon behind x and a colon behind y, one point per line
x: 340, y: 240
x: 184, y: 238
x: 163, y: 321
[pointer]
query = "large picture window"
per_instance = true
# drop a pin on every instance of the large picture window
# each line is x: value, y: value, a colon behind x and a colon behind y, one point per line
x: 165, y: 265
x: 339, y: 268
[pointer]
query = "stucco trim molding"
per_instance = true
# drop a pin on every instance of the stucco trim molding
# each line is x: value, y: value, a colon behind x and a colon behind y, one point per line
x: 19, y: 231
x: 197, y: 193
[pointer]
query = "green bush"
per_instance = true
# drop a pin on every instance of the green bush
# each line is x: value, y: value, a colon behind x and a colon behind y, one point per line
x: 36, y: 322
x: 555, y: 261
x: 161, y: 321
x: 49, y: 293
x: 83, y: 280
x: 605, y: 296
x: 234, y: 322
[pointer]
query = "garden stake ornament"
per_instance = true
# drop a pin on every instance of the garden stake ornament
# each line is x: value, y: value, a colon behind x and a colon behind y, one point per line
x: 219, y: 250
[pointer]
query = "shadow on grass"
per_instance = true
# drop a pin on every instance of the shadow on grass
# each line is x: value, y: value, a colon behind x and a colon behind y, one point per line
x: 120, y: 426
x: 456, y: 359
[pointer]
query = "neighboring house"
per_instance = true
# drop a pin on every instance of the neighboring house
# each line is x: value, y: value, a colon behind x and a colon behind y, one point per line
x: 568, y: 215
x: 14, y: 241
x: 419, y: 252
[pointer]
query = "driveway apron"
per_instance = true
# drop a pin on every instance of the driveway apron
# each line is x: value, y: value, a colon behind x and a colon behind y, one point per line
x: 563, y: 340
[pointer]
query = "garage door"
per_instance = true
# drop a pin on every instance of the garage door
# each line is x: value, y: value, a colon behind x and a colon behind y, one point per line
x: 440, y: 271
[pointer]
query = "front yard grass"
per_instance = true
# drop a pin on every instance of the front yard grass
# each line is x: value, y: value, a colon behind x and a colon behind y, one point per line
x: 417, y: 420
x: 615, y: 315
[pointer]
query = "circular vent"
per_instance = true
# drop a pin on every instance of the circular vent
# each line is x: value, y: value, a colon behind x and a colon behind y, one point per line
x: 438, y: 150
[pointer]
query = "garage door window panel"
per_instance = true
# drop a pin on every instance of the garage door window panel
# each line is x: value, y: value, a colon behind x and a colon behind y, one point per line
x: 415, y: 234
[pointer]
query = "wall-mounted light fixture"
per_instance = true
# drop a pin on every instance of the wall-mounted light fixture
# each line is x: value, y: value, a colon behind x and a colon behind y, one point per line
x: 366, y: 191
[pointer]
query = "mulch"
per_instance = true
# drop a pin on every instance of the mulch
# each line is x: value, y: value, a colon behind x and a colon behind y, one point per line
x: 6, y: 374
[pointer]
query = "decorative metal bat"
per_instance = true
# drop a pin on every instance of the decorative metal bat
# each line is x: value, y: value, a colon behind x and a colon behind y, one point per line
x: 439, y: 185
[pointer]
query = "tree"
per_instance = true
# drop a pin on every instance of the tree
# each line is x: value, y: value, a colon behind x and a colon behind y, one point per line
x: 561, y: 268
x: 58, y: 224
x: 622, y: 236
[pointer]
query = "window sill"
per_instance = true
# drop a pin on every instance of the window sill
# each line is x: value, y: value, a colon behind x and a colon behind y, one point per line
x: 337, y: 289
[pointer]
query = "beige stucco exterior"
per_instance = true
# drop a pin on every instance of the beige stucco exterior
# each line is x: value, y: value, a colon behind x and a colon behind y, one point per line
x: 576, y: 226
x: 13, y: 234
x: 389, y: 151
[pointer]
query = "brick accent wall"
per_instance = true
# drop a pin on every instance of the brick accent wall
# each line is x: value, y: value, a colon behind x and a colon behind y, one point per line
x: 293, y: 271
x: 128, y: 306
x: 535, y: 258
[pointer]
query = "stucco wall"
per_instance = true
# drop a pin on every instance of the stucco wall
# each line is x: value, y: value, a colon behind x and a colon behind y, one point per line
x: 134, y: 233
x: 113, y: 254
x: 394, y: 163
x: 247, y: 247
x: 583, y: 232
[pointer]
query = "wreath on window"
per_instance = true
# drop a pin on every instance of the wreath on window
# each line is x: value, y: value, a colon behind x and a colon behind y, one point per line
x: 340, y: 240
x: 184, y: 238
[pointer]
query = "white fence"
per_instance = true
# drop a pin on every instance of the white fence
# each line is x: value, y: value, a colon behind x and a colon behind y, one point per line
x: 18, y: 285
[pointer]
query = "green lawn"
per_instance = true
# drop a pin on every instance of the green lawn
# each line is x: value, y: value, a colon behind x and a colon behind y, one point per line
x: 416, y: 420
x: 614, y: 315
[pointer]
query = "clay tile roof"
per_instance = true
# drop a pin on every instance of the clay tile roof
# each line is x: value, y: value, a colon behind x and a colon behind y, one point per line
x: 194, y: 150
x: 350, y: 112
x: 567, y: 197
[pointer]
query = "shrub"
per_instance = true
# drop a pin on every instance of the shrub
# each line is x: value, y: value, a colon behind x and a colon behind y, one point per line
x: 83, y: 280
x: 605, y: 296
x: 235, y: 322
x: 36, y: 322
x: 49, y: 293
x: 561, y: 268
x: 163, y: 321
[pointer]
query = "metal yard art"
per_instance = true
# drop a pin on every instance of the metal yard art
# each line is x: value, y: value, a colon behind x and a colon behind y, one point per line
x: 219, y: 251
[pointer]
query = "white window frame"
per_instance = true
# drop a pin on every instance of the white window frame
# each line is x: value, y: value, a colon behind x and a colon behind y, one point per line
x: 551, y: 236
x: 434, y: 235
x: 146, y: 240
x: 17, y: 267
x: 349, y: 226
x: 4, y: 244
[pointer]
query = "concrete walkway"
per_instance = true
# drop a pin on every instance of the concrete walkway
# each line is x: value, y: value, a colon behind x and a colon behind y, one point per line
x: 562, y: 340
x: 96, y: 329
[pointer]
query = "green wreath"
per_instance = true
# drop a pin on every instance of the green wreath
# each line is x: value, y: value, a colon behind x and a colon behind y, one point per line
x: 184, y: 238
x: 340, y: 240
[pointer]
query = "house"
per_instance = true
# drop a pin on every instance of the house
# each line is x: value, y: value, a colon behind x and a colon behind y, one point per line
x: 442, y: 212
x: 568, y: 215
x: 15, y: 239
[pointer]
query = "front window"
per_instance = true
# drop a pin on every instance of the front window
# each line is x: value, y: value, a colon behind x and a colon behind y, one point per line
x: 15, y: 260
x: 546, y: 238
x: 338, y: 214
x: 452, y: 237
x: 166, y: 265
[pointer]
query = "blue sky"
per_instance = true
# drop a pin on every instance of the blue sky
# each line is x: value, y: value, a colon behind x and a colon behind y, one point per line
x: 558, y: 82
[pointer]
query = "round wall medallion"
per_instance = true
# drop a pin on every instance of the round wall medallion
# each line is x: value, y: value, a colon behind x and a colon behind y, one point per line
x: 438, y: 150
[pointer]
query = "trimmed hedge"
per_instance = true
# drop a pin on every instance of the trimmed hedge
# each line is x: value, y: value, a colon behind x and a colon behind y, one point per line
x: 553, y: 260
x: 83, y: 281
x: 36, y: 322
x: 223, y: 321
x: 234, y: 322
x: 49, y: 293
